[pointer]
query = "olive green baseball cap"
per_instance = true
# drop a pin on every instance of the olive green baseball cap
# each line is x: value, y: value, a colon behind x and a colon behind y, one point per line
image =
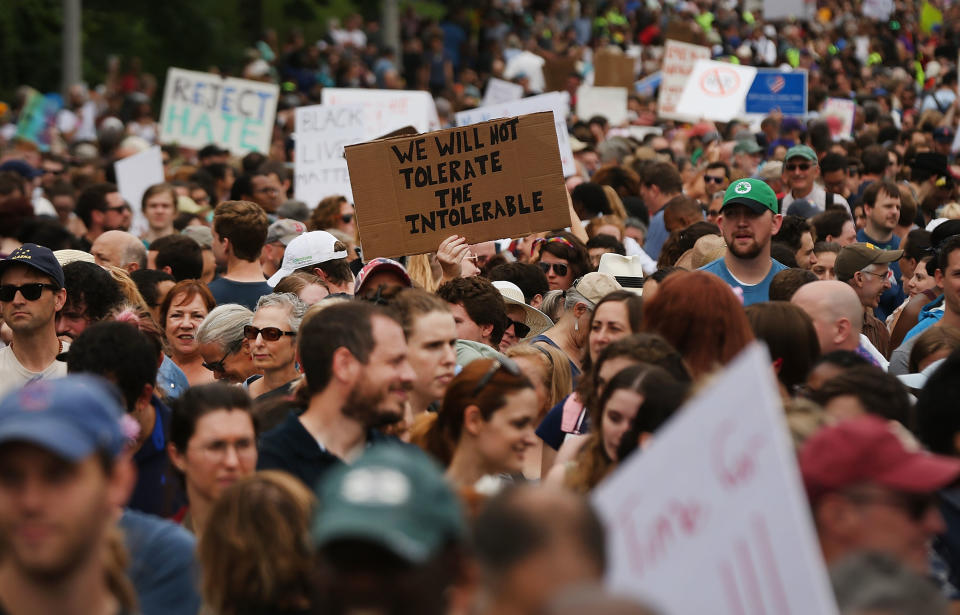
x: 754, y: 193
x: 393, y: 496
x: 801, y: 151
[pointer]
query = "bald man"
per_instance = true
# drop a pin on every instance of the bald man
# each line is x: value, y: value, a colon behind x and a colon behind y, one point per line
x: 836, y: 312
x: 119, y: 249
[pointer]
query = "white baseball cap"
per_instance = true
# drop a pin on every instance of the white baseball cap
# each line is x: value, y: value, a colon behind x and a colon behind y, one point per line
x: 307, y: 249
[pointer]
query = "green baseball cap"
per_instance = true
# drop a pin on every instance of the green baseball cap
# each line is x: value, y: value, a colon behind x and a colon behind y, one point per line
x: 394, y: 496
x: 800, y: 151
x: 754, y: 193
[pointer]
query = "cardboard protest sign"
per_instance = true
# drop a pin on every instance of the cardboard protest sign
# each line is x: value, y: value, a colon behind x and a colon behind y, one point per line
x: 611, y: 103
x: 388, y: 109
x: 678, y: 61
x: 839, y: 112
x: 203, y: 108
x: 716, y: 91
x: 612, y: 69
x: 557, y: 102
x: 778, y: 89
x: 322, y: 131
x: 717, y: 497
x: 500, y: 91
x: 557, y: 71
x: 134, y: 175
x: 496, y: 179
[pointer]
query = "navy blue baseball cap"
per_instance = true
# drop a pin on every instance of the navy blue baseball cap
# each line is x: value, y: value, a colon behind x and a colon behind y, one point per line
x: 71, y: 417
x: 38, y: 257
x: 21, y: 168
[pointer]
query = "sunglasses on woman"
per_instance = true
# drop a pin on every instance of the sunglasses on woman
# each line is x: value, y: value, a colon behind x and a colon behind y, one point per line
x: 270, y: 334
x: 347, y: 218
x: 560, y: 269
x: 30, y: 292
x: 509, y: 365
x: 520, y: 329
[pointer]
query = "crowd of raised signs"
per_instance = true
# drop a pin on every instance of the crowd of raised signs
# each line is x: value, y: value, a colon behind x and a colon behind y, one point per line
x: 212, y: 401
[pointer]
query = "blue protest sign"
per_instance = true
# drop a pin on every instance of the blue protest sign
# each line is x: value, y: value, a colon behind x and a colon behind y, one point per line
x: 778, y: 89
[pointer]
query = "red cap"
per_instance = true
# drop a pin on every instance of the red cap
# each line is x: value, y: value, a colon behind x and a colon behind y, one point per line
x: 869, y: 449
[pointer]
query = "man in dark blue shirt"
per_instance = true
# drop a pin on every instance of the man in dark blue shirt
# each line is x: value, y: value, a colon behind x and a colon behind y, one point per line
x: 354, y: 361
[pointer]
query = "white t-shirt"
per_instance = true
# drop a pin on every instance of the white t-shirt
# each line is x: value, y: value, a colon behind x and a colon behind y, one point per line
x: 13, y: 375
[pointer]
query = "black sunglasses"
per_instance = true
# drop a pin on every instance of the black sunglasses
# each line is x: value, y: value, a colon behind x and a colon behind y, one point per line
x: 347, y: 218
x: 218, y: 366
x: 559, y: 268
x: 803, y: 166
x: 30, y: 292
x: 123, y: 207
x: 520, y: 329
x: 715, y: 180
x: 271, y: 334
x: 506, y: 363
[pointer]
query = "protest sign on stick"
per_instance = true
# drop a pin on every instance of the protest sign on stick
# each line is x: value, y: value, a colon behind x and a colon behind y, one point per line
x: 717, y: 497
x: 203, y: 108
x: 496, y: 179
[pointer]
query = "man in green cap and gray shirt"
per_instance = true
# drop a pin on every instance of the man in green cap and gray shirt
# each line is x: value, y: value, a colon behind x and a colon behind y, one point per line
x: 800, y: 173
x: 750, y: 216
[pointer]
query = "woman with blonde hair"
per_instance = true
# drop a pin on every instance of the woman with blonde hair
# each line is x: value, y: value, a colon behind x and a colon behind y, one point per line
x: 546, y: 367
x: 255, y: 550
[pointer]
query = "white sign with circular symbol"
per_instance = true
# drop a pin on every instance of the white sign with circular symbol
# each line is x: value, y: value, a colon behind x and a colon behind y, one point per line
x: 716, y: 91
x: 720, y: 81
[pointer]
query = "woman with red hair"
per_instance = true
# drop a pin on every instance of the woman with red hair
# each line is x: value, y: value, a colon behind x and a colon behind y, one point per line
x: 701, y: 317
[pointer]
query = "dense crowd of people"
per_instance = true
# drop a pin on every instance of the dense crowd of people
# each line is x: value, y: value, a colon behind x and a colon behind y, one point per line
x: 219, y: 405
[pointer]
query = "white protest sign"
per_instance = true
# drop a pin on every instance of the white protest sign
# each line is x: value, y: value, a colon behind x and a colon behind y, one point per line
x: 716, y: 91
x: 500, y: 91
x: 717, y: 498
x: 322, y: 131
x: 203, y: 108
x: 388, y: 110
x: 134, y: 175
x: 558, y: 102
x: 839, y: 112
x: 609, y: 102
x: 787, y: 9
x: 678, y: 61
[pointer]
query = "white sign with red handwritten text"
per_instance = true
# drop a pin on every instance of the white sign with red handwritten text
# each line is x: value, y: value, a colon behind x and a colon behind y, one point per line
x: 712, y: 517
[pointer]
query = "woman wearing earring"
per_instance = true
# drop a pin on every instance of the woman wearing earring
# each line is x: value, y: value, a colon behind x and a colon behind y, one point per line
x: 570, y: 333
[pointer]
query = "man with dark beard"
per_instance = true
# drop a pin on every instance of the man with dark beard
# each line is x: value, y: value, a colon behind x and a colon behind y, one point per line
x: 750, y: 216
x: 354, y: 361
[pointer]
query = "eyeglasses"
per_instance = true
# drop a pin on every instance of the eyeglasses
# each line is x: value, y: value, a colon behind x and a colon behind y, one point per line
x: 520, y: 329
x: 505, y: 363
x: 915, y: 505
x: 347, y: 218
x: 268, y: 190
x: 560, y: 269
x: 30, y: 292
x: 712, y: 179
x: 879, y: 275
x: 218, y: 366
x: 271, y: 334
x: 803, y: 166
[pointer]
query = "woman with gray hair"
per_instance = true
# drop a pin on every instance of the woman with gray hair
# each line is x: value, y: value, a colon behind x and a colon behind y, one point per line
x: 225, y: 351
x: 572, y: 328
x: 273, y: 345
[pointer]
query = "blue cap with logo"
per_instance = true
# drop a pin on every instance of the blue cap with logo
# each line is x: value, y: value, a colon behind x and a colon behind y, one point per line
x: 38, y: 257
x: 71, y: 417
